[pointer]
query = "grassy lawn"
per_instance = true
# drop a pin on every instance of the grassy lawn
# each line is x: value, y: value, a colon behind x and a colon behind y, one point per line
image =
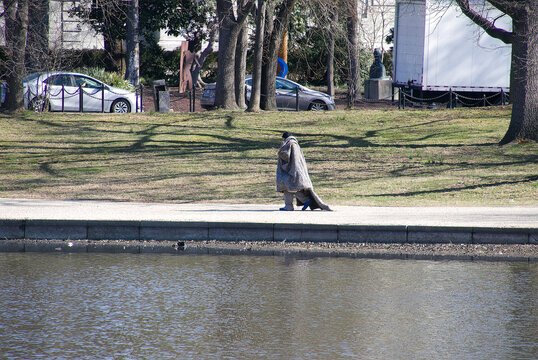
x: 376, y: 157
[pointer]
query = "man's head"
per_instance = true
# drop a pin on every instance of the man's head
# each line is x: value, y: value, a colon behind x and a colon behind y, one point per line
x: 286, y: 135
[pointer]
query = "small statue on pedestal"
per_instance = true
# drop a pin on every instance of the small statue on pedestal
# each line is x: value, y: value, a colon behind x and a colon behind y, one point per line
x: 379, y: 86
x: 377, y: 70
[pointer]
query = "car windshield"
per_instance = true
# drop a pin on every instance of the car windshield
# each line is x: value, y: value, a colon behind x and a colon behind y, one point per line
x: 59, y: 80
x: 83, y: 81
x: 285, y: 85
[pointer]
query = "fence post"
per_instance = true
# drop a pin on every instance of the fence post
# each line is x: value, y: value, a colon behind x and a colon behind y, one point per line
x: 136, y: 98
x: 296, y: 98
x: 450, y: 99
x: 484, y: 100
x: 404, y: 95
x: 190, y: 100
x: 502, y: 96
x: 102, y: 98
x: 45, y: 98
x: 193, y: 98
x: 63, y: 97
x: 80, y: 99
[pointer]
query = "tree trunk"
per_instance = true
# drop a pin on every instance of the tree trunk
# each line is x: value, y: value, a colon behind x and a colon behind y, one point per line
x: 241, y: 66
x: 254, y: 103
x: 39, y: 59
x: 330, y: 52
x: 524, y: 77
x: 229, y: 29
x: 268, y: 88
x: 524, y: 64
x: 133, y: 49
x: 115, y: 54
x: 265, y: 79
x: 354, y: 81
x: 225, y: 89
x: 274, y: 32
x: 16, y: 18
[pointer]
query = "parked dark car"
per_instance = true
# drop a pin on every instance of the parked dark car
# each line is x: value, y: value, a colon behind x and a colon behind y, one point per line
x: 286, y: 96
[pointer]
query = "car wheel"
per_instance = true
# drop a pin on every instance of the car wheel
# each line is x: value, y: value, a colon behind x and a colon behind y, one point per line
x: 318, y: 106
x: 120, y: 106
x: 39, y: 104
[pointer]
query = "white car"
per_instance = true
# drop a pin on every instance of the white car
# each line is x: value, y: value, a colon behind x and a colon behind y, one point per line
x: 62, y: 91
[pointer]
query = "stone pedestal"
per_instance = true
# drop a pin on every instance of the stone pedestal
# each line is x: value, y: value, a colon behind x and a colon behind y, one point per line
x: 378, y: 89
x: 164, y: 101
x: 161, y: 96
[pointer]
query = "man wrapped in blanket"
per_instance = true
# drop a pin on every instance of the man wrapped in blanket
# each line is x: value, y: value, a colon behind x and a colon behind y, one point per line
x: 292, y: 177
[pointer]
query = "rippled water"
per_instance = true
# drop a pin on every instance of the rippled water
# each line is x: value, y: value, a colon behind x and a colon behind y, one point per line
x: 111, y: 306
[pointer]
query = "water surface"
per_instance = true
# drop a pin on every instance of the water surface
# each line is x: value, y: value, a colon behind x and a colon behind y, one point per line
x: 124, y: 306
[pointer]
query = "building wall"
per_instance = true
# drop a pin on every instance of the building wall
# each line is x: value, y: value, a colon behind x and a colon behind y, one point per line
x: 64, y: 31
x: 70, y: 32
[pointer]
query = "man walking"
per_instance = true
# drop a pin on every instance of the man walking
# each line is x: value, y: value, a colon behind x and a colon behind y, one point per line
x: 292, y: 177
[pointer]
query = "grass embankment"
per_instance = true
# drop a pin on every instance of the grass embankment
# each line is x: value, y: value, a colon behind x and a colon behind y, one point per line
x: 378, y: 157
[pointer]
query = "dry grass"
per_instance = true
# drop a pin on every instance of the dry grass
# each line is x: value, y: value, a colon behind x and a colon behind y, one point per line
x: 378, y: 157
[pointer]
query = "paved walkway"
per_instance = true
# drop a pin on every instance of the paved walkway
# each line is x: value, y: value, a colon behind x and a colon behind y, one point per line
x: 502, y: 217
x: 345, y: 223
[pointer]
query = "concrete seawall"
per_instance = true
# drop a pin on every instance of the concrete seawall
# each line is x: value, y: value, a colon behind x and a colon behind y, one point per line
x: 88, y: 226
x: 235, y: 231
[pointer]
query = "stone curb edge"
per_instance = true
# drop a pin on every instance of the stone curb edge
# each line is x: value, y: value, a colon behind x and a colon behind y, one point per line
x: 205, y: 231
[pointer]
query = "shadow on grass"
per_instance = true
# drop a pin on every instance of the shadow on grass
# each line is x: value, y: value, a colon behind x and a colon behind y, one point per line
x: 146, y: 141
x: 169, y: 137
x: 174, y: 147
x: 528, y: 179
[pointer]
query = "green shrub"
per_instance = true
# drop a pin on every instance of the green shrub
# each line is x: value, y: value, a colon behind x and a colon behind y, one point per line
x: 114, y: 79
x: 155, y: 63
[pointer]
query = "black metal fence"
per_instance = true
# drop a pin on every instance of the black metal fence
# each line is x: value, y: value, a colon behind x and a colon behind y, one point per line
x: 192, y: 99
x: 451, y: 99
x: 40, y: 100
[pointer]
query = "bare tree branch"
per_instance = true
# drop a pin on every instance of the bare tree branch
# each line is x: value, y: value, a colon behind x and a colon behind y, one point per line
x: 488, y: 26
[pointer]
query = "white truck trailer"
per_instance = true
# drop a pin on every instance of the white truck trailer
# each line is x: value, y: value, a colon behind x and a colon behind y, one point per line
x: 438, y: 49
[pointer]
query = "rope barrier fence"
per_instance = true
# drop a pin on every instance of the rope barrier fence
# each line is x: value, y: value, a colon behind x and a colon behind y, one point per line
x: 40, y: 101
x: 452, y: 99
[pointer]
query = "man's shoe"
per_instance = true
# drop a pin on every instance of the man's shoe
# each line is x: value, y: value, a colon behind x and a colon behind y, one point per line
x: 285, y: 208
x: 306, y: 204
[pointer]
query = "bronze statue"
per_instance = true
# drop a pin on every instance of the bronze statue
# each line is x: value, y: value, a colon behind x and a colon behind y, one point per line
x: 377, y: 70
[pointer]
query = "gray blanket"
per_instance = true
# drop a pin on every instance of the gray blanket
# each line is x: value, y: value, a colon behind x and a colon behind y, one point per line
x: 291, y: 174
